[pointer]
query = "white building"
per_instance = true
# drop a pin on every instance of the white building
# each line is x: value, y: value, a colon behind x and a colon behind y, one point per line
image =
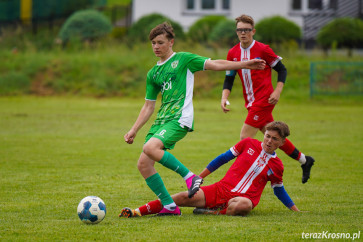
x: 310, y: 15
x: 186, y: 12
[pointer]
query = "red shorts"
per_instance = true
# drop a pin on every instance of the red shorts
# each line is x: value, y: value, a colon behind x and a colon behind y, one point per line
x: 258, y: 117
x: 217, y: 196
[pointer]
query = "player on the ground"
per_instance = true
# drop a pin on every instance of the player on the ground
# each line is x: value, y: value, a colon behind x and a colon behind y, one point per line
x: 173, y: 77
x: 240, y: 189
x: 258, y: 92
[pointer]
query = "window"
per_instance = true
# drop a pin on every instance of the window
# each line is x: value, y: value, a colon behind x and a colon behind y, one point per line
x: 206, y: 7
x: 225, y: 4
x: 315, y: 4
x: 190, y: 4
x: 296, y: 5
x: 208, y: 4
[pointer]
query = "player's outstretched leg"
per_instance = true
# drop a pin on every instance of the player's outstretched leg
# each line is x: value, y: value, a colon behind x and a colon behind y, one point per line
x: 129, y: 213
x: 166, y: 212
x: 193, y: 184
x: 307, y: 168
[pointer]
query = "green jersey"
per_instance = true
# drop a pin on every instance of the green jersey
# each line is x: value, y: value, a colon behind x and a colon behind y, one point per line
x: 174, y: 78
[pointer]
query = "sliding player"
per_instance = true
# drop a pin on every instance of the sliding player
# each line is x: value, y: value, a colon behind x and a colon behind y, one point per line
x: 240, y: 189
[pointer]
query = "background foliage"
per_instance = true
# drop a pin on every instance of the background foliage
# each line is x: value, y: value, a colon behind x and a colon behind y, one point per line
x: 110, y: 69
x: 277, y: 30
x: 201, y: 29
x: 342, y: 32
x: 85, y: 25
x: 139, y: 31
x: 117, y: 64
x: 224, y: 34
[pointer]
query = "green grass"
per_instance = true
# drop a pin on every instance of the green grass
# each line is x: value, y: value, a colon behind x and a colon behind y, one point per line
x: 55, y: 151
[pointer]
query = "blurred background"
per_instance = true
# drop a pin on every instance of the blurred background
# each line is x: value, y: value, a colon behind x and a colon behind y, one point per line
x: 101, y: 47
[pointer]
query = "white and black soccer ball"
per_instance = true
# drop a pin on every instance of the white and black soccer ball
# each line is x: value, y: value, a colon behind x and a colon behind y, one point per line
x: 91, y: 210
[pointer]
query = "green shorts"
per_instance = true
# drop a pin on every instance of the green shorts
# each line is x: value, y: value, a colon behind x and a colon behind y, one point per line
x: 169, y: 133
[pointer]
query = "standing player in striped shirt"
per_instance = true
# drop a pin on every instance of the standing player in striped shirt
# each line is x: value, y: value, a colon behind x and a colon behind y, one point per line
x: 258, y: 92
x: 173, y: 77
x: 240, y: 189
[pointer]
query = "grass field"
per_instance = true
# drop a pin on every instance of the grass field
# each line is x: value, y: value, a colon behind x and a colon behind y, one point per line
x: 56, y: 150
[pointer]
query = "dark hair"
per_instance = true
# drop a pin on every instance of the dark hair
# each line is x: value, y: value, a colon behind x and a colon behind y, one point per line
x: 280, y: 127
x: 164, y: 28
x: 245, y: 19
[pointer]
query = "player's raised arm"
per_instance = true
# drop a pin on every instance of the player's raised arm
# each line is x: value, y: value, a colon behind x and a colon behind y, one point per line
x: 217, y: 162
x: 145, y: 113
x: 224, y: 65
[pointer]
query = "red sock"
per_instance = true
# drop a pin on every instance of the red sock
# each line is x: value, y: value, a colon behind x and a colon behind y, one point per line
x: 152, y: 207
x: 290, y: 149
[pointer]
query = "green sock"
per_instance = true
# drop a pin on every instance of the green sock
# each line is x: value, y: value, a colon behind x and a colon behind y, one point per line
x: 169, y: 161
x: 156, y: 184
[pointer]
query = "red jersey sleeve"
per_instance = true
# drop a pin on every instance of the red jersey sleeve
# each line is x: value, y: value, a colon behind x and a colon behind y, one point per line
x: 270, y: 57
x: 239, y: 147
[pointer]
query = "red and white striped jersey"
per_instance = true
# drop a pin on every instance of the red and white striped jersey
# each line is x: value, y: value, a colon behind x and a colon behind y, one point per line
x: 257, y: 85
x: 252, y: 169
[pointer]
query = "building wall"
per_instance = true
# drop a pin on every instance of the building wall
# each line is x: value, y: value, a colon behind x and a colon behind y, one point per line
x: 260, y: 9
x: 176, y: 10
x: 172, y: 9
x: 309, y: 18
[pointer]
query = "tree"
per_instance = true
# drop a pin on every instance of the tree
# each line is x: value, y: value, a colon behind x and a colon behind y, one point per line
x: 86, y: 25
x: 202, y: 28
x: 342, y: 32
x: 224, y: 34
x: 140, y: 30
x: 277, y: 30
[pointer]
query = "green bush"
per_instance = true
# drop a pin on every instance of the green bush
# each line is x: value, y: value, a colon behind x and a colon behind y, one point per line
x: 140, y: 30
x: 343, y: 32
x: 85, y: 25
x: 119, y: 32
x: 202, y: 28
x: 14, y: 83
x: 45, y: 9
x: 277, y: 30
x: 224, y: 34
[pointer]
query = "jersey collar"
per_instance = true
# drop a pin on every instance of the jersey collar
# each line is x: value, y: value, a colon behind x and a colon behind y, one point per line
x: 162, y: 63
x: 249, y: 47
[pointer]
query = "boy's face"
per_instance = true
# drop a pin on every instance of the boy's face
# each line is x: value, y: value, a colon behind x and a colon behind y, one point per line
x: 245, y: 33
x: 162, y: 46
x: 271, y: 141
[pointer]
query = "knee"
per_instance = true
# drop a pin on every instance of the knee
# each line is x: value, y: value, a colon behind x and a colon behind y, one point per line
x: 148, y: 148
x: 153, y: 149
x: 144, y: 163
x: 141, y: 164
x: 242, y: 207
x: 181, y: 198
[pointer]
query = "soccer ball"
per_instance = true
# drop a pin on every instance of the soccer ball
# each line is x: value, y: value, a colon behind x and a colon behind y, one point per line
x: 91, y: 210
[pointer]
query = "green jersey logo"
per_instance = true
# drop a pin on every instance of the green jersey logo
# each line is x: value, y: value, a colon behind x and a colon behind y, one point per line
x: 174, y: 64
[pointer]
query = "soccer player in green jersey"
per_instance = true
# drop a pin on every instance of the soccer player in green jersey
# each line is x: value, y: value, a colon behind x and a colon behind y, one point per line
x: 173, y: 77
